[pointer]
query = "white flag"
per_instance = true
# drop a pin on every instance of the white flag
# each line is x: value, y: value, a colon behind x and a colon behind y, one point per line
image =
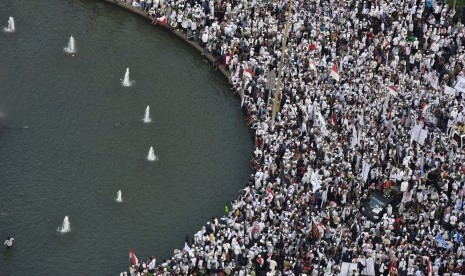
x: 449, y: 90
x: 460, y: 85
x: 433, y: 79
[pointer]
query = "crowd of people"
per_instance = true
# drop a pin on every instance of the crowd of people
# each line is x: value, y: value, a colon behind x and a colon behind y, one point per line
x: 372, y: 97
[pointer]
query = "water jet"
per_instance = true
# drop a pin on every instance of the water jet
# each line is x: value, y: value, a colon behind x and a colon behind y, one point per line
x: 65, y: 227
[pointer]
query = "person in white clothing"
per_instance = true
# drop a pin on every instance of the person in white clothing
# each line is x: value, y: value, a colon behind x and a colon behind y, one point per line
x: 9, y: 242
x: 151, y: 266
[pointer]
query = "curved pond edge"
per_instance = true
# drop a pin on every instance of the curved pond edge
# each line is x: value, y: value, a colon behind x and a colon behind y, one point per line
x: 179, y: 34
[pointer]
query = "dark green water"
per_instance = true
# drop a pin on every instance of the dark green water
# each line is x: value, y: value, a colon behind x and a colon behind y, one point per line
x: 86, y: 140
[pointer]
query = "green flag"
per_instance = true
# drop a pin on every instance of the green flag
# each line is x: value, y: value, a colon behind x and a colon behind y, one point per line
x: 441, y: 142
x: 226, y: 209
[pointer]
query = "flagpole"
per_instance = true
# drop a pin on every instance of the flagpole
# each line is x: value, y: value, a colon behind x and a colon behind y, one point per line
x: 277, y: 96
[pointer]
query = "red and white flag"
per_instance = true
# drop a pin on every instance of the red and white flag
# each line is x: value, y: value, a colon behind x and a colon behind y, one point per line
x: 334, y: 73
x: 424, y: 108
x: 312, y: 65
x: 433, y: 79
x: 248, y: 73
x: 270, y: 194
x: 162, y: 20
x: 334, y: 120
x: 429, y: 267
x: 133, y: 257
x: 392, y: 90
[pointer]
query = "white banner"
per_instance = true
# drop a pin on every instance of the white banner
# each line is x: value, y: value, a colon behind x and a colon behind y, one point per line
x: 407, y: 197
x: 365, y: 170
x: 415, y: 133
x: 316, y: 182
x: 449, y: 90
x: 433, y: 79
x: 460, y: 85
x: 347, y: 269
x: 422, y: 136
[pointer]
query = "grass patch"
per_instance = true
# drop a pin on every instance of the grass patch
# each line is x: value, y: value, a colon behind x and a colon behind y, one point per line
x: 458, y: 5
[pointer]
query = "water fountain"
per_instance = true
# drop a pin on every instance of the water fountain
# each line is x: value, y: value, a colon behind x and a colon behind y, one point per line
x: 119, y: 196
x: 66, y: 227
x: 151, y: 156
x: 71, y: 49
x: 126, y: 81
x: 147, y: 118
x: 11, y: 25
